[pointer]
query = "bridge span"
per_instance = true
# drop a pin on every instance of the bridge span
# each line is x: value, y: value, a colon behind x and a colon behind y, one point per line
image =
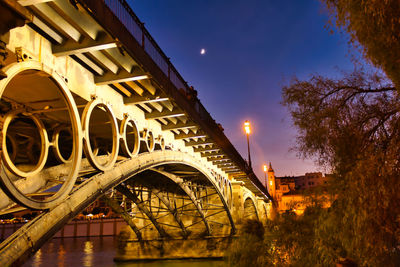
x: 90, y: 108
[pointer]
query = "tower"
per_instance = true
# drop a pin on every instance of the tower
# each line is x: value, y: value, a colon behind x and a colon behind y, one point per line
x: 271, y: 181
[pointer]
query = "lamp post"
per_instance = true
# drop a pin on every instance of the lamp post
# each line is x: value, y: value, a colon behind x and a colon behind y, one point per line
x: 247, y: 130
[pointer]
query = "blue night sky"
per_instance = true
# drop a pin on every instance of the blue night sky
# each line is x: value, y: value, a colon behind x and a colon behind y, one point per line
x: 253, y: 48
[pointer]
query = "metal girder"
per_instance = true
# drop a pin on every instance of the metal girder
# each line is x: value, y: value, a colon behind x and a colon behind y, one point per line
x: 221, y: 161
x: 105, y: 61
x: 58, y: 21
x: 86, y: 45
x: 49, y: 31
x: 217, y: 158
x: 32, y: 2
x: 90, y: 63
x: 173, y: 211
x: 179, y: 181
x: 227, y: 164
x: 206, y: 149
x: 178, y: 126
x: 164, y: 114
x: 212, y: 154
x: 122, y: 76
x: 230, y: 168
x: 80, y: 20
x: 144, y: 98
x: 234, y: 171
x: 199, y: 142
x: 113, y: 204
x: 190, y: 135
x: 133, y: 196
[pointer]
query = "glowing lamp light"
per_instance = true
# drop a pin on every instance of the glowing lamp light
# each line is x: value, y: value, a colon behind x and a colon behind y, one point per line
x: 270, y: 183
x: 265, y: 168
x: 247, y: 127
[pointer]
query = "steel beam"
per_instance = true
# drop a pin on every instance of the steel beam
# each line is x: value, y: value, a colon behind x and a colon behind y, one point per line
x: 190, y: 135
x: 32, y: 2
x: 86, y: 45
x: 221, y: 161
x: 173, y: 211
x: 206, y: 149
x: 145, y: 98
x: 213, y: 154
x: 122, y: 76
x: 131, y: 194
x: 58, y: 21
x: 218, y: 158
x: 164, y: 114
x: 199, y: 142
x: 179, y: 126
x: 227, y: 164
x: 113, y: 204
x: 179, y: 181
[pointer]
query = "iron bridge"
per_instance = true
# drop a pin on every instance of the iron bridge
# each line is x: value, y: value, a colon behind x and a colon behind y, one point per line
x: 91, y: 108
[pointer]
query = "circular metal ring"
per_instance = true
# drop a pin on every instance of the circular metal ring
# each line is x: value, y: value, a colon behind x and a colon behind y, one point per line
x: 124, y: 137
x: 159, y: 143
x: 44, y: 148
x: 150, y: 141
x: 56, y: 148
x: 6, y: 183
x: 87, y: 112
x: 147, y: 141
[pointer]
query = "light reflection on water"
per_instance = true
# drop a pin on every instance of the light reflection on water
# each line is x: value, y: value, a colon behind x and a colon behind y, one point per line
x: 95, y: 252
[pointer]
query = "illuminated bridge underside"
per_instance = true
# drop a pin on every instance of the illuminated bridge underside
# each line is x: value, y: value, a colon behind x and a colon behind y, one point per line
x: 32, y: 235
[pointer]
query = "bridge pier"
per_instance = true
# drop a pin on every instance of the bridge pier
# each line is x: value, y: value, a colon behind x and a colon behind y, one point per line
x: 164, y: 249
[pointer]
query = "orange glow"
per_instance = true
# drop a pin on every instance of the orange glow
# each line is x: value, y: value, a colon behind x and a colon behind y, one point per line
x: 247, y: 127
x: 270, y: 183
x: 265, y: 168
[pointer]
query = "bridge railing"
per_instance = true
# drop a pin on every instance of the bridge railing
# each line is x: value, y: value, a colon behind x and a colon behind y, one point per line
x: 132, y: 23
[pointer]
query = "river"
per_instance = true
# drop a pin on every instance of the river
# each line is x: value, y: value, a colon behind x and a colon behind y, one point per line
x: 96, y: 252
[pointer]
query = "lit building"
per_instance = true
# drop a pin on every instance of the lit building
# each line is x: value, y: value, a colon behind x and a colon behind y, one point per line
x: 288, y: 190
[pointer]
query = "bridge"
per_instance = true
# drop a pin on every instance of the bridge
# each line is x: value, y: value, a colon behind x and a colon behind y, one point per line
x: 91, y: 108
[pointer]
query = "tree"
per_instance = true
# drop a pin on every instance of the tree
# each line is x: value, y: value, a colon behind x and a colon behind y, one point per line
x: 352, y: 125
x: 375, y: 25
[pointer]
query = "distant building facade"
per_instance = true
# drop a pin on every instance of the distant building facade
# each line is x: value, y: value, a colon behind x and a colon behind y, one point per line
x: 288, y: 190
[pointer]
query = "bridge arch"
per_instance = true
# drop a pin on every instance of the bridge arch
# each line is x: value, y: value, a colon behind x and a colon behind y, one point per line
x: 250, y: 205
x: 35, y: 233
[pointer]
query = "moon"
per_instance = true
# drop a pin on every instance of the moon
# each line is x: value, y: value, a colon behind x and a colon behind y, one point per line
x: 202, y: 51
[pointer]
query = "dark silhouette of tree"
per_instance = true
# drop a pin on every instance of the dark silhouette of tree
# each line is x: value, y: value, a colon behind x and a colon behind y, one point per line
x: 352, y: 125
x: 374, y: 25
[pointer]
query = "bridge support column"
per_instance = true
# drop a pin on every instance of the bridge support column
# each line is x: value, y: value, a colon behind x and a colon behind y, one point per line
x: 238, y: 201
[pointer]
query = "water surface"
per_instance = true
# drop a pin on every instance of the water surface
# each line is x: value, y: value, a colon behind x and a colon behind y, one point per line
x: 96, y: 252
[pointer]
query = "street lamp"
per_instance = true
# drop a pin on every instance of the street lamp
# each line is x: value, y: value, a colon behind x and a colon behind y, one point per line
x: 247, y: 130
